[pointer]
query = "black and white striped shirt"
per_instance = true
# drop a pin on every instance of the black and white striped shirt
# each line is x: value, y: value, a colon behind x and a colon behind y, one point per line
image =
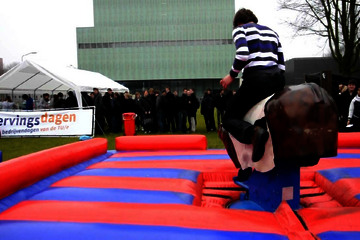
x: 257, y: 47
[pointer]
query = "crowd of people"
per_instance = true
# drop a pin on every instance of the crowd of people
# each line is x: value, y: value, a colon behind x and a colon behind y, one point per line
x: 156, y: 111
x: 171, y: 111
x: 46, y: 102
x: 348, y: 103
x: 7, y: 104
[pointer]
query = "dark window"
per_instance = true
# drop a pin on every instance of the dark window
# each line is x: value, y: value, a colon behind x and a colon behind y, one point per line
x: 207, y: 42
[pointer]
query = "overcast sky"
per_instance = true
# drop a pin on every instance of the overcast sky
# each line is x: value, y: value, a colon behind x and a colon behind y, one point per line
x: 48, y: 27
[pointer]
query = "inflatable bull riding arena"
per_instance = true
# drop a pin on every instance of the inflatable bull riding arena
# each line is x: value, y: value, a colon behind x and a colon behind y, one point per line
x: 306, y: 186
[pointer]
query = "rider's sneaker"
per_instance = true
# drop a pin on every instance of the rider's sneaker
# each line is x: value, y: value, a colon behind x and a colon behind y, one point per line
x: 229, y: 146
x: 259, y: 140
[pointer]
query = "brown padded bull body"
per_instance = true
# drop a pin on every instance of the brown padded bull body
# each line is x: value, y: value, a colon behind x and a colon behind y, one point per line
x: 303, y: 123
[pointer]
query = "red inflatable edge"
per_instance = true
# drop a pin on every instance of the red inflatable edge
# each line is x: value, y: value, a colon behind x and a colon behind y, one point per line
x: 23, y: 171
x: 163, y: 142
x: 349, y: 140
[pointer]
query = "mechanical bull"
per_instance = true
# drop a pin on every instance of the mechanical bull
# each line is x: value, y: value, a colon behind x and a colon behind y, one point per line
x: 303, y: 124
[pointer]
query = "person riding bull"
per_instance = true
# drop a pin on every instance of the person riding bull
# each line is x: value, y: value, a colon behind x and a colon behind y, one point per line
x: 260, y: 56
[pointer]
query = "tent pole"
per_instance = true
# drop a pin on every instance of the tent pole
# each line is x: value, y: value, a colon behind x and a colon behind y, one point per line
x: 35, y: 98
x: 12, y: 91
x: 57, y: 87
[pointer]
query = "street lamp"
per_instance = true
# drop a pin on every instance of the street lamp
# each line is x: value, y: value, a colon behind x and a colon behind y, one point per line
x: 27, y: 54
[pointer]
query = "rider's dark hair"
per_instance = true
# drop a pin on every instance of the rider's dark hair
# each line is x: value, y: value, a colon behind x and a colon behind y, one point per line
x: 244, y: 16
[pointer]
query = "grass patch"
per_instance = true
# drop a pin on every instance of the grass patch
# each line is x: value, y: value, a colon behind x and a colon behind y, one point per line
x: 16, y: 147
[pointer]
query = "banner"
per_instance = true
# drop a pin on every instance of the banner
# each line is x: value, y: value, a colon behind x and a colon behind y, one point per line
x: 74, y: 122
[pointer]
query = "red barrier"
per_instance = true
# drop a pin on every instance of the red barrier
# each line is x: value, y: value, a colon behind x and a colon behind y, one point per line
x: 349, y: 140
x: 319, y: 220
x: 343, y: 191
x: 164, y: 142
x: 29, y: 169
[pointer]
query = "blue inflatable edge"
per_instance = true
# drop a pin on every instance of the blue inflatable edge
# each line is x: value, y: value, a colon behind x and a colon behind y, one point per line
x: 41, y: 185
x: 170, y: 173
x: 14, y: 230
x: 113, y: 195
x: 336, y: 174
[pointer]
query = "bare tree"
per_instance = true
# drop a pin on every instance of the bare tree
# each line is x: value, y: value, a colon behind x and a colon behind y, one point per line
x: 336, y: 20
x: 10, y: 66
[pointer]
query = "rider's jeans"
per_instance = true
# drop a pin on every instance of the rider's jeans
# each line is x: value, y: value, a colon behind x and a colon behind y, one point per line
x: 253, y: 90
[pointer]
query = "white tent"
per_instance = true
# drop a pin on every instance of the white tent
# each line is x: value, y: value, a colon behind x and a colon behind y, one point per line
x: 29, y: 76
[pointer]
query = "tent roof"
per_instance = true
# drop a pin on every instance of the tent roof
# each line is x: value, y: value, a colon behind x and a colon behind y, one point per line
x: 31, y: 76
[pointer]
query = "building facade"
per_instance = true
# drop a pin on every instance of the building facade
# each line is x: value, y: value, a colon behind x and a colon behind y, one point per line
x: 297, y: 68
x: 154, y: 43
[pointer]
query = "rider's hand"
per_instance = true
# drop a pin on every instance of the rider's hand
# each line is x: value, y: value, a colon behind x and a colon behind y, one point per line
x: 226, y: 81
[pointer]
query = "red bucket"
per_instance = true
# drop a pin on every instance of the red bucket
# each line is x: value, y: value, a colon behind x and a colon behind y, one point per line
x: 129, y: 123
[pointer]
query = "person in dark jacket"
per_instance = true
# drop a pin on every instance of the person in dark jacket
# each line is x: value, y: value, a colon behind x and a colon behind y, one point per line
x: 146, y: 109
x: 169, y: 113
x: 60, y: 102
x: 207, y: 110
x: 109, y: 95
x: 29, y: 104
x: 153, y: 111
x: 193, y: 106
x: 176, y: 107
x: 220, y: 104
x: 117, y: 110
x: 345, y: 100
x: 160, y: 110
x: 87, y: 101
x: 138, y: 111
x: 129, y: 104
x: 115, y: 113
x: 71, y: 101
x: 99, y: 112
x: 354, y: 113
x: 183, y: 105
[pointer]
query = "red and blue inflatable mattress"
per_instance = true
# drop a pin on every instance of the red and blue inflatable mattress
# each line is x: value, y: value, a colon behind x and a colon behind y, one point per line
x: 170, y: 188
